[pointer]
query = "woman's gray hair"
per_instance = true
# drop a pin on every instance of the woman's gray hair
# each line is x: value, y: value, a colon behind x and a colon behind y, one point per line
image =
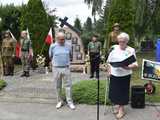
x: 123, y: 35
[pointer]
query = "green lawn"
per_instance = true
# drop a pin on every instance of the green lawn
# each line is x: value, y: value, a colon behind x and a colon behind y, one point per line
x: 86, y: 91
x: 136, y: 77
x: 2, y: 84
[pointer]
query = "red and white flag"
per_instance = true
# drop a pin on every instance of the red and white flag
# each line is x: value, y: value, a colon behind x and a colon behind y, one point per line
x: 49, y: 38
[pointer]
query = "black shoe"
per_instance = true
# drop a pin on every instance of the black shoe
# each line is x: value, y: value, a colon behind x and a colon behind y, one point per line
x: 97, y: 77
x: 11, y: 74
x: 91, y: 76
x: 6, y: 74
x: 27, y: 74
x: 24, y: 74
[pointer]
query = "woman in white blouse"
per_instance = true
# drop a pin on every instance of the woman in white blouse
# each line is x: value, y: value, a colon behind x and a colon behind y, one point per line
x: 120, y: 76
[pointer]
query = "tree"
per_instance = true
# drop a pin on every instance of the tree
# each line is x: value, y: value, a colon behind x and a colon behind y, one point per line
x: 10, y: 15
x: 96, y: 5
x: 77, y: 24
x: 101, y: 23
x: 87, y: 32
x: 137, y: 17
x: 35, y: 18
x: 88, y: 24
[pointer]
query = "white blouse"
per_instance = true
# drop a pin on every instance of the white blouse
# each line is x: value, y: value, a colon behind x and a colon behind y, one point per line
x: 117, y: 55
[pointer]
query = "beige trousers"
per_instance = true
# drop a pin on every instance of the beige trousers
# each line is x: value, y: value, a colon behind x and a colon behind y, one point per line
x: 63, y: 76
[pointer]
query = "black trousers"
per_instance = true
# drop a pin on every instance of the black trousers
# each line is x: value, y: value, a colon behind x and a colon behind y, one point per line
x: 94, y: 63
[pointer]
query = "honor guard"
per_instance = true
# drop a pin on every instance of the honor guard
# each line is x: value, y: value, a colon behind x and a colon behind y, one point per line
x: 8, y: 53
x: 94, y: 48
x: 112, y: 37
x: 26, y: 53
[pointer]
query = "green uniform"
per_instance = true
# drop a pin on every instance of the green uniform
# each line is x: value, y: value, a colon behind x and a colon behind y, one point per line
x: 8, y: 52
x: 1, y: 66
x: 112, y: 40
x: 26, y: 45
x: 94, y: 49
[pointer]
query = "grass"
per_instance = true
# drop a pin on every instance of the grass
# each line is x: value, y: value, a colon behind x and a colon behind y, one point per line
x: 85, y: 92
x: 136, y: 76
x: 2, y: 84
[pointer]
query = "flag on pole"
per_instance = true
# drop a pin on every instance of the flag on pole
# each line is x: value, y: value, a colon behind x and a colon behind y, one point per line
x: 49, y: 38
x: 17, y: 45
x: 12, y: 35
x: 28, y: 36
x: 18, y: 50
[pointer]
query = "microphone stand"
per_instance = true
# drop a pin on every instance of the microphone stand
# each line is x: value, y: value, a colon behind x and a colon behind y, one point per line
x: 98, y: 86
x: 98, y: 98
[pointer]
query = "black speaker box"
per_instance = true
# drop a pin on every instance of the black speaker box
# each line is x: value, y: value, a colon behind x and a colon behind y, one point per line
x: 137, y: 97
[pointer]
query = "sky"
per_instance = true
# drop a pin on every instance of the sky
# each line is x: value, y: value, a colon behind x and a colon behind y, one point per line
x: 69, y: 8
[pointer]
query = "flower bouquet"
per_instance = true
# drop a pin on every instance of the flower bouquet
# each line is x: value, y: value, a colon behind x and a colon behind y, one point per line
x: 40, y: 59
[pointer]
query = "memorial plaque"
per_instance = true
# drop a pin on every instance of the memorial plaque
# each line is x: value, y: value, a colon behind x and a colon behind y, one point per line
x: 77, y: 48
x: 79, y: 56
x: 68, y: 36
x: 74, y: 40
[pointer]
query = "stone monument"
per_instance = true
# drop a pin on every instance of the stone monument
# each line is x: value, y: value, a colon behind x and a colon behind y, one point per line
x: 73, y: 38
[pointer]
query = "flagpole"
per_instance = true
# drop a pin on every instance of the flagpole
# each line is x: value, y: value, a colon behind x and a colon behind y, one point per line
x: 42, y: 48
x: 98, y: 86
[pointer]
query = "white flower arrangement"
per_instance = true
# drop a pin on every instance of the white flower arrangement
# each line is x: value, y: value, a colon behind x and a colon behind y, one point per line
x: 40, y: 60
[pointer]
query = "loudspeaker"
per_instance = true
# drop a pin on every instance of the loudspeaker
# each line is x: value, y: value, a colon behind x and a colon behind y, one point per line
x: 138, y: 97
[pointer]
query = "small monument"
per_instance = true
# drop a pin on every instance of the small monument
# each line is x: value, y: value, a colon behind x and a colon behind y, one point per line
x: 73, y: 38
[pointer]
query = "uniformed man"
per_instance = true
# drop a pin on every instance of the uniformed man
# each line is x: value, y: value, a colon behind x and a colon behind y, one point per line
x: 1, y: 63
x: 26, y: 53
x: 94, y: 48
x: 8, y: 53
x: 112, y: 37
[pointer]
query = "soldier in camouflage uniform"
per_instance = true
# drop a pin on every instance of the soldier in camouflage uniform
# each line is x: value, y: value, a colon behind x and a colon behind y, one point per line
x: 8, y: 53
x: 1, y: 63
x: 112, y: 37
x: 94, y: 49
x: 26, y: 53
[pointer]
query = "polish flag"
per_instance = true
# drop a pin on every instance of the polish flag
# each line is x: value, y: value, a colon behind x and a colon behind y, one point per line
x: 49, y: 38
x: 18, y: 50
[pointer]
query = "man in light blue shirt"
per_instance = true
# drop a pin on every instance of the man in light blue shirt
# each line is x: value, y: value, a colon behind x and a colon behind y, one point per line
x: 60, y: 53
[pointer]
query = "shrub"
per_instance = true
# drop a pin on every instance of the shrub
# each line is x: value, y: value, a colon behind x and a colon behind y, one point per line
x: 85, y: 92
x: 2, y: 84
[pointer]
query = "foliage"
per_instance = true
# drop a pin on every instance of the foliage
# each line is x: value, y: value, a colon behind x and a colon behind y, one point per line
x: 10, y: 16
x: 35, y: 18
x: 2, y: 84
x: 87, y: 32
x: 96, y: 5
x: 77, y: 24
x: 88, y: 26
x: 139, y: 18
x: 121, y: 12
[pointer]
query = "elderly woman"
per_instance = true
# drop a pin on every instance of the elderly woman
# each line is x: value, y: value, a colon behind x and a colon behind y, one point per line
x: 120, y: 76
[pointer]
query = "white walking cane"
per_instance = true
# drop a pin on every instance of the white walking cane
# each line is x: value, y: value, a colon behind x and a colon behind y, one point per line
x: 106, y: 94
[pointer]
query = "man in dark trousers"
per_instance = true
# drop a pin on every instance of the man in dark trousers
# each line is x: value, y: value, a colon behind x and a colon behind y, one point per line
x: 94, y: 49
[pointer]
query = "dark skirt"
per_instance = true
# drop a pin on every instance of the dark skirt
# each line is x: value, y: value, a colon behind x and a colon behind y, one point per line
x: 119, y: 89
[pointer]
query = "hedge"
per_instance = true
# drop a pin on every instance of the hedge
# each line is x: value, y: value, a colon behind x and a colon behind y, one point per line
x: 2, y: 84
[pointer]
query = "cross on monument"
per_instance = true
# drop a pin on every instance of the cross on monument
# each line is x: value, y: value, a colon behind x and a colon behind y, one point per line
x: 64, y: 22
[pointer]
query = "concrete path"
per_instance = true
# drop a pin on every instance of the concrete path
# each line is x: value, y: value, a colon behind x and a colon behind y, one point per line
x: 34, y: 98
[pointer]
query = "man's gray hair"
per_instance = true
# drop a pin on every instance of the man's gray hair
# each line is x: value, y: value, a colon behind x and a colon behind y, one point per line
x: 123, y: 35
x: 60, y: 34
